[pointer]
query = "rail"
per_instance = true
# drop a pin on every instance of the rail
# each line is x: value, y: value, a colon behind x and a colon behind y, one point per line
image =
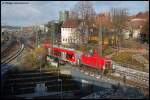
x: 141, y: 78
x: 14, y: 56
x: 5, y: 62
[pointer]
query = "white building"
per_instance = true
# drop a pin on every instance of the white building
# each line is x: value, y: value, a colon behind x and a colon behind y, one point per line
x: 43, y: 28
x: 126, y: 34
x: 69, y: 33
x: 136, y: 33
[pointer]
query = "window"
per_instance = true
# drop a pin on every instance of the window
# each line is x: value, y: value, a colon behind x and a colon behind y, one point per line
x: 69, y: 56
x: 107, y: 65
x: 71, y: 40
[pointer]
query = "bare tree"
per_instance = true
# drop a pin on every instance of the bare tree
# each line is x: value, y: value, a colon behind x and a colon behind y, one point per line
x: 103, y: 25
x: 145, y: 29
x: 119, y: 18
x: 84, y: 12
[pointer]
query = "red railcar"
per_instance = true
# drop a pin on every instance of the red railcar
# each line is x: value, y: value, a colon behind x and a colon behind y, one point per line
x: 95, y: 61
x: 92, y: 60
x: 64, y: 54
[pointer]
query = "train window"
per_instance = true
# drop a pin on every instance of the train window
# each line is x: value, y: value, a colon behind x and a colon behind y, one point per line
x: 107, y: 65
x: 69, y: 56
x: 91, y: 52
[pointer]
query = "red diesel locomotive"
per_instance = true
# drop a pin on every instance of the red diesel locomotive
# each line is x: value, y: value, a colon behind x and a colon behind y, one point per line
x: 92, y: 60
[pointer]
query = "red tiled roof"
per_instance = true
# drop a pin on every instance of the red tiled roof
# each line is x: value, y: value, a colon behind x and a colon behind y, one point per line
x: 140, y: 15
x: 70, y: 23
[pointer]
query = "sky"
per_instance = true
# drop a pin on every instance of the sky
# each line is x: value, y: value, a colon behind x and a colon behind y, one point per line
x: 26, y: 13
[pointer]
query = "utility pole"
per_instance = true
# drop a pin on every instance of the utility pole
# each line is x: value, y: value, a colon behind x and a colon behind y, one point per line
x: 38, y: 38
x: 36, y: 32
x: 100, y: 40
x: 52, y: 34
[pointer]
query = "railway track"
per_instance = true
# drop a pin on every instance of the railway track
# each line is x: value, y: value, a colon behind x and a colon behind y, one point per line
x: 5, y: 68
x: 136, y: 80
x: 13, y: 56
x: 12, y: 47
x: 133, y: 76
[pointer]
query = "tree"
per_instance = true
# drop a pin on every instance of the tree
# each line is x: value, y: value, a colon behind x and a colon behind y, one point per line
x: 104, y: 20
x: 31, y: 60
x: 145, y: 29
x: 84, y: 12
x: 103, y: 24
x: 119, y: 19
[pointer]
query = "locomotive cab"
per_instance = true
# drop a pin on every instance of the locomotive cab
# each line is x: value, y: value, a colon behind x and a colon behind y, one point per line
x: 108, y: 66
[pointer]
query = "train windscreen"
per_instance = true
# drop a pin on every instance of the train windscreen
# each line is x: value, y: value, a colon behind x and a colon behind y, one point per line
x: 108, y: 64
x: 69, y: 56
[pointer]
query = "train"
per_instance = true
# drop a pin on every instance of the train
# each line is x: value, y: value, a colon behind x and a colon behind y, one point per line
x: 91, y: 59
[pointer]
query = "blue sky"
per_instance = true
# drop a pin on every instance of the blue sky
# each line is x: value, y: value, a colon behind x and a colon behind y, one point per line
x: 24, y: 13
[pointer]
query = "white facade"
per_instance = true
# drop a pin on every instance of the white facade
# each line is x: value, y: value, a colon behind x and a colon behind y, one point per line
x: 136, y: 33
x: 46, y: 29
x: 68, y: 36
x: 42, y: 27
x: 126, y: 34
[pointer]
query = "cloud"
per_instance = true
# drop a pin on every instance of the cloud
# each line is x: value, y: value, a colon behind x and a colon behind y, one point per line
x: 35, y: 12
x: 133, y: 7
x: 19, y: 12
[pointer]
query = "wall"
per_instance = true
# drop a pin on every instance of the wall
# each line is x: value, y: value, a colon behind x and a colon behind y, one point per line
x: 67, y: 35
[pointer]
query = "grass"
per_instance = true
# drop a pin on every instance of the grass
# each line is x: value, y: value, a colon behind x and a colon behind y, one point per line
x: 123, y: 57
x: 108, y: 51
x: 132, y: 44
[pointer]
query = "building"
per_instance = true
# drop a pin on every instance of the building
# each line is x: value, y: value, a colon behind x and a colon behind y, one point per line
x: 28, y: 29
x: 103, y: 19
x: 12, y: 30
x: 69, y: 34
x: 63, y: 16
x: 54, y: 31
x: 43, y: 28
x: 135, y: 23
